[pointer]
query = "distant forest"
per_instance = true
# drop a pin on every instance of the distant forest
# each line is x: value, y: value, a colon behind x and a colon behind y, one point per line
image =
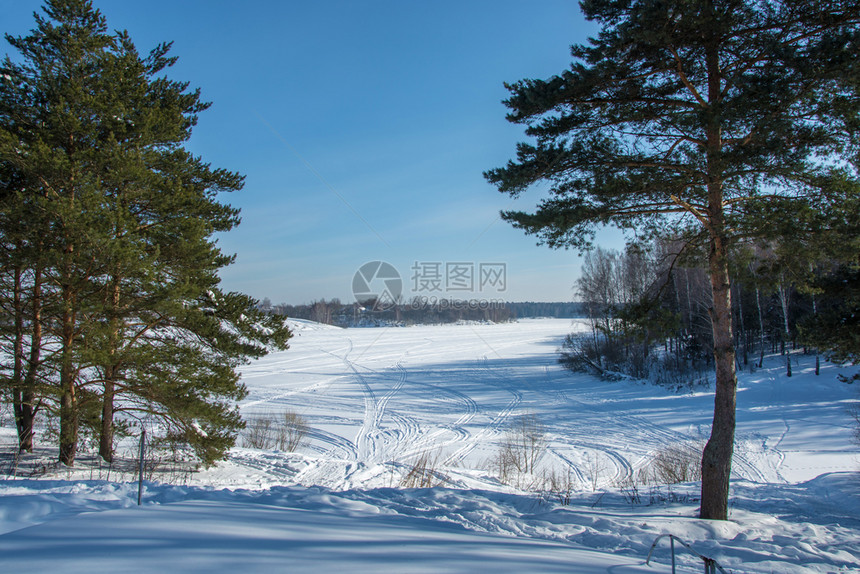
x: 418, y: 312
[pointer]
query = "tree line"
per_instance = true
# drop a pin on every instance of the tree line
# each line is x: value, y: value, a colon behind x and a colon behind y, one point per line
x: 649, y: 311
x: 111, y: 313
x: 370, y: 312
x: 421, y: 312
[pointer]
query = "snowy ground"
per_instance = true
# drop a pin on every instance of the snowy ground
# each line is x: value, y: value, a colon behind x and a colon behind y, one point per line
x: 378, y: 400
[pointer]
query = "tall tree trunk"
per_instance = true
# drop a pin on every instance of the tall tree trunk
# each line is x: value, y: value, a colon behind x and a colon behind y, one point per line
x: 817, y: 357
x: 680, y: 332
x: 107, y: 427
x: 743, y: 333
x: 760, y: 327
x: 689, y: 303
x: 594, y: 337
x: 717, y: 456
x: 111, y: 373
x: 34, y: 362
x: 68, y: 399
x: 21, y: 407
x: 786, y: 335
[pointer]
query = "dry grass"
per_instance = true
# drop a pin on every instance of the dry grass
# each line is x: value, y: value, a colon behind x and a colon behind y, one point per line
x: 286, y: 432
x: 424, y: 472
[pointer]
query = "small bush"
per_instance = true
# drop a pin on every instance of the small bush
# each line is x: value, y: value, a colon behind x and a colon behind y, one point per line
x: 595, y: 465
x: 523, y: 445
x: 560, y: 485
x: 675, y: 464
x: 260, y: 432
x: 630, y: 490
x: 292, y: 433
x: 286, y: 433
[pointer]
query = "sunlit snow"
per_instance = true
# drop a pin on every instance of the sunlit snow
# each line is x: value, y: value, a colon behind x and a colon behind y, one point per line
x: 378, y: 399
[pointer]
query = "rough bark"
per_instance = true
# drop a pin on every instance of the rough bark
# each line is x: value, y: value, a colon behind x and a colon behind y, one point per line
x: 783, y: 295
x: 817, y: 357
x: 34, y: 362
x: 24, y: 401
x: 717, y: 456
x: 21, y: 407
x: 111, y: 372
x: 742, y: 339
x: 760, y: 327
x: 107, y: 427
x: 68, y: 399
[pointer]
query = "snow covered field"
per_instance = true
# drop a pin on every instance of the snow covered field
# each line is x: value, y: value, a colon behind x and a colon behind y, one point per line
x: 378, y: 400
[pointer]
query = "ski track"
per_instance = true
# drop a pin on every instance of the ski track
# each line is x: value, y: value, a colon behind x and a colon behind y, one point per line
x: 431, y: 440
x: 339, y: 447
x: 406, y: 439
x: 630, y: 428
x: 282, y: 395
x: 580, y: 476
x: 383, y: 402
x: 395, y: 440
x: 493, y: 428
x: 373, y: 444
x: 442, y: 395
x: 776, y: 447
x: 364, y: 449
x: 273, y: 465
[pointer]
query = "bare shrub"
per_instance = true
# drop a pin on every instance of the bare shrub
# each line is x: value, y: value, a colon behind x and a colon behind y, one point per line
x: 679, y: 373
x: 616, y: 359
x: 677, y: 463
x: 520, y: 450
x: 595, y: 466
x: 630, y: 490
x: 596, y: 355
x: 528, y: 437
x: 560, y: 485
x: 161, y: 466
x: 292, y: 434
x: 260, y: 432
x: 502, y: 464
x: 286, y: 432
x: 424, y: 473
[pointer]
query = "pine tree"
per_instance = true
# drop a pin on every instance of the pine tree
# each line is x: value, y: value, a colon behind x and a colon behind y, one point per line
x: 51, y: 143
x: 20, y: 307
x: 706, y: 120
x: 92, y: 138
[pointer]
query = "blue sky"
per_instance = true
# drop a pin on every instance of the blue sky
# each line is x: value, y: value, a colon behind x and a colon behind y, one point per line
x: 363, y: 129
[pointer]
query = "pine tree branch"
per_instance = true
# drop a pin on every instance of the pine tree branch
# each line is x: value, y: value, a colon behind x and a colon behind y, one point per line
x: 686, y: 81
x: 702, y: 217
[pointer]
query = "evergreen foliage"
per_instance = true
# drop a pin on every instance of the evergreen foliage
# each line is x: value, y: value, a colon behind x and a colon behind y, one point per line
x: 107, y: 230
x: 835, y: 326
